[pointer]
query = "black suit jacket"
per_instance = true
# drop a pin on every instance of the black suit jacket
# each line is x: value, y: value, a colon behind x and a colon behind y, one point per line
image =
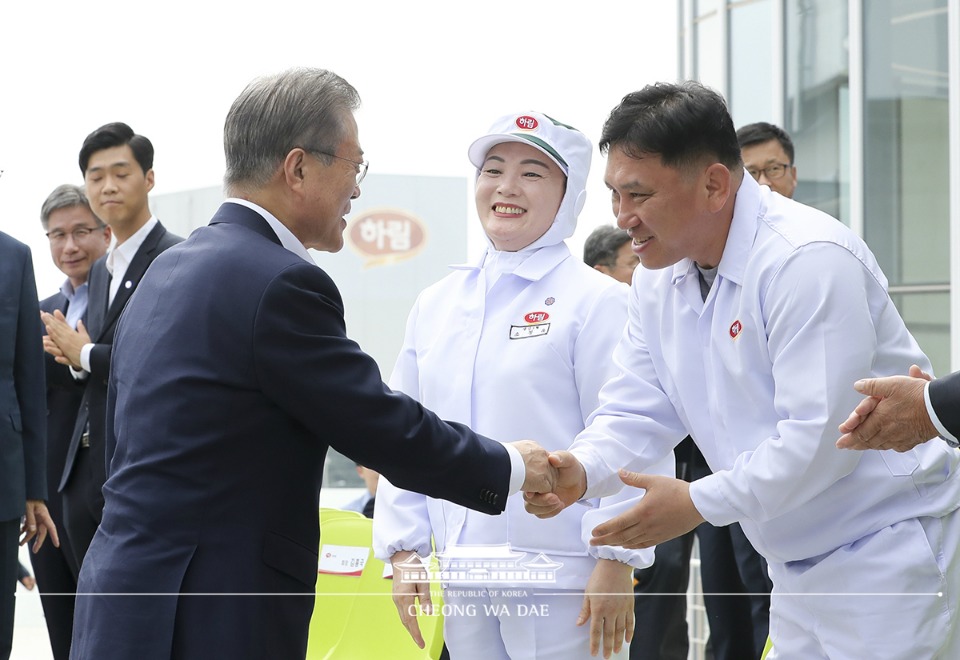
x: 232, y: 374
x: 945, y: 399
x: 101, y: 325
x: 56, y: 568
x: 22, y: 416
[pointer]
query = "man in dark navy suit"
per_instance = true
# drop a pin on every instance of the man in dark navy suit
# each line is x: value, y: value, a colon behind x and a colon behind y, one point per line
x: 117, y: 167
x: 77, y: 239
x: 232, y: 374
x: 23, y: 484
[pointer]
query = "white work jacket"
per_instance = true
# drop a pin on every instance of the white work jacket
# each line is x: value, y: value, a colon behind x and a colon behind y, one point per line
x: 524, y: 360
x: 761, y: 374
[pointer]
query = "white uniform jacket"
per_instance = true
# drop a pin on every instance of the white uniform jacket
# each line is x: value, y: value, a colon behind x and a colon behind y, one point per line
x: 761, y: 374
x: 525, y: 360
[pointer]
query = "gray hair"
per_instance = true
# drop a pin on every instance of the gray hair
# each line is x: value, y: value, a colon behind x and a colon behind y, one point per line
x: 299, y: 107
x: 600, y: 248
x: 65, y: 197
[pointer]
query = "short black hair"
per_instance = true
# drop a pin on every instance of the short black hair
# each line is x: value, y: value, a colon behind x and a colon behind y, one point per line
x: 117, y: 134
x: 601, y: 246
x: 683, y: 123
x: 762, y: 131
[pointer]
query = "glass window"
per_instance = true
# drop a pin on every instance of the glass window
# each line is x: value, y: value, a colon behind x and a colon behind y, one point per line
x: 906, y: 206
x: 816, y: 101
x: 751, y: 66
x: 707, y: 42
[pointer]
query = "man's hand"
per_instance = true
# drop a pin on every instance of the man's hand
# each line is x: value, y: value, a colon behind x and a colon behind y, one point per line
x: 406, y: 595
x: 571, y: 484
x: 608, y: 605
x: 893, y: 416
x: 540, y: 476
x: 62, y: 341
x: 663, y: 513
x: 38, y: 523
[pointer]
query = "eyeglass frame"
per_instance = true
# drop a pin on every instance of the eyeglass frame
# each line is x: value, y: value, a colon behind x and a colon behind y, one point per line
x: 60, y: 237
x: 364, y: 165
x: 766, y: 171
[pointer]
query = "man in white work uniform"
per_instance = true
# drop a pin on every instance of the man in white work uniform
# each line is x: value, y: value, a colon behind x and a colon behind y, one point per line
x: 750, y: 318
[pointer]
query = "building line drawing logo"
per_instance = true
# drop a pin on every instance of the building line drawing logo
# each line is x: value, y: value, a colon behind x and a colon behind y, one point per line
x: 484, y: 564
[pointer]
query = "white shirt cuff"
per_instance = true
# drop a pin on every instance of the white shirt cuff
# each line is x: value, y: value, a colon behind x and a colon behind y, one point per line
x: 518, y: 471
x: 948, y: 437
x: 85, y: 357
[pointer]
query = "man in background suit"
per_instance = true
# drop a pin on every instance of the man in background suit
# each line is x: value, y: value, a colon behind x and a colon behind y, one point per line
x: 117, y: 167
x: 901, y: 412
x: 218, y: 431
x: 77, y: 239
x: 23, y: 484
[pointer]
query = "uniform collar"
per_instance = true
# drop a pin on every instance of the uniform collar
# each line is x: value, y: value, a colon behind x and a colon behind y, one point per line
x: 748, y: 208
x: 534, y: 267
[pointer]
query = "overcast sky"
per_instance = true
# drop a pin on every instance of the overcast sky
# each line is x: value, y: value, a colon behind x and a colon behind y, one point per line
x: 432, y: 76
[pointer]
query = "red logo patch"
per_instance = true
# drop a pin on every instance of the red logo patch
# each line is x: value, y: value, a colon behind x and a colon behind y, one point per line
x: 735, y: 328
x: 526, y: 123
x: 536, y: 317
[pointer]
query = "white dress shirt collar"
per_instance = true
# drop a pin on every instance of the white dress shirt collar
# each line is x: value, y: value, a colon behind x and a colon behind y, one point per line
x: 287, y: 239
x: 120, y: 256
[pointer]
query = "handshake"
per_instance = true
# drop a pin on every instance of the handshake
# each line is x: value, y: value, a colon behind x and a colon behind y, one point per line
x: 553, y: 481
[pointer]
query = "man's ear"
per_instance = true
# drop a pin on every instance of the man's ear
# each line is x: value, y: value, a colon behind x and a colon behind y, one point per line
x: 718, y: 183
x: 293, y: 166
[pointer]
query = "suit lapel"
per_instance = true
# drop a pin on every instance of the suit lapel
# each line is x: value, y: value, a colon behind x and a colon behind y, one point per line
x: 138, y: 266
x: 98, y: 294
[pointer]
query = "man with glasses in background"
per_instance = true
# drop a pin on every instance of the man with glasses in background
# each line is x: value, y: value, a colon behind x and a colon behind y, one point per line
x: 767, y: 153
x: 78, y: 238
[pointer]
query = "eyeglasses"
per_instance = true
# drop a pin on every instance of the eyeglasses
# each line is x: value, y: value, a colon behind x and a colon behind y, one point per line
x: 772, y: 172
x: 78, y: 234
x: 361, y: 166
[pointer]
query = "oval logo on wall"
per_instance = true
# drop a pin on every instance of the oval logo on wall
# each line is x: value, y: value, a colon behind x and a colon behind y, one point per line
x: 526, y: 123
x: 383, y: 236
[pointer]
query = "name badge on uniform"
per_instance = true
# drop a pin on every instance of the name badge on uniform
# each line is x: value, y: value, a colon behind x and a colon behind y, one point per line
x: 524, y: 331
x: 535, y: 326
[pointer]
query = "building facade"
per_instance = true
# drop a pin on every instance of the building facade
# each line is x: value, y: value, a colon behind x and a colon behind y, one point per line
x: 869, y: 90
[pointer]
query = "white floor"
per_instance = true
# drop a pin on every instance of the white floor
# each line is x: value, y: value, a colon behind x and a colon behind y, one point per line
x: 30, y: 641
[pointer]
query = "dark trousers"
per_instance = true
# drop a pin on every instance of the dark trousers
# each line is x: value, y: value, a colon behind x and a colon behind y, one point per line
x: 660, y: 603
x: 729, y: 569
x: 82, y: 505
x: 9, y: 565
x: 56, y: 572
x: 739, y: 624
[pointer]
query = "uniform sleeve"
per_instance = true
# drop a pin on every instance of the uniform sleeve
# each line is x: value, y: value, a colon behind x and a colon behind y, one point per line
x: 635, y: 426
x: 400, y: 519
x: 593, y: 358
x: 821, y: 338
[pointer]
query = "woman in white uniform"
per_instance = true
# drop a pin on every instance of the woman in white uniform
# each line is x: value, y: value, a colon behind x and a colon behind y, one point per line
x: 516, y: 346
